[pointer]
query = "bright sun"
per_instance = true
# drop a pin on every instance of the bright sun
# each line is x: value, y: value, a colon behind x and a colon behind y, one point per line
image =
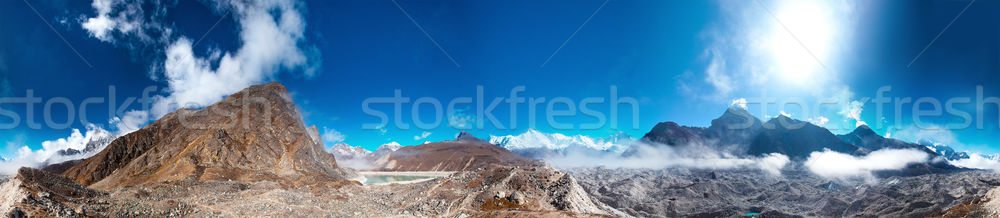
x: 800, y: 47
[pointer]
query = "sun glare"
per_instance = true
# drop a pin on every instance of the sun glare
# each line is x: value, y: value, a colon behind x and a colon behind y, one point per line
x: 801, y: 41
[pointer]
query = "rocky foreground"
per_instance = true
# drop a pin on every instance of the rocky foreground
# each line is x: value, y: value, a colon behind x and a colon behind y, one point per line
x: 497, y: 190
x: 795, y: 193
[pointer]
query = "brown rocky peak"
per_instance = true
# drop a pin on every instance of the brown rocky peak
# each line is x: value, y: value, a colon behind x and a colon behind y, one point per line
x: 255, y: 134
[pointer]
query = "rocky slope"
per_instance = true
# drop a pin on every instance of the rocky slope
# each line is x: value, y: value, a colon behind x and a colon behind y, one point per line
x: 987, y: 205
x: 253, y: 135
x: 733, y: 193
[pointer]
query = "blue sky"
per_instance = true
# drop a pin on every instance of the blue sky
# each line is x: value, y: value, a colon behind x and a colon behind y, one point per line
x: 683, y: 61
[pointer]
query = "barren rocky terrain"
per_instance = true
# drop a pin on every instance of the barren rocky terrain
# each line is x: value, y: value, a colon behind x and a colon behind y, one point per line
x: 725, y: 193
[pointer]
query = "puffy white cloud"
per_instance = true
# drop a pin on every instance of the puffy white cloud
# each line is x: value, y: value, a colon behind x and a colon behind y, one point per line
x: 49, y: 153
x: 978, y: 161
x: 271, y: 35
x: 460, y: 120
x: 740, y: 102
x: 333, y: 136
x: 853, y: 111
x: 269, y: 43
x: 422, y: 135
x: 132, y: 121
x: 648, y: 156
x: 118, y: 20
x: 832, y: 164
x: 819, y: 121
x: 100, y: 26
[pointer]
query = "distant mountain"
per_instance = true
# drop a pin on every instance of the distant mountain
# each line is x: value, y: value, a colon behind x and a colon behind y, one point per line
x: 256, y: 134
x: 343, y: 151
x: 734, y: 129
x: 97, y: 140
x: 732, y: 133
x: 385, y: 149
x: 797, y: 139
x: 538, y: 145
x: 670, y: 133
x: 456, y: 155
x: 944, y: 150
x: 866, y: 138
x: 467, y: 137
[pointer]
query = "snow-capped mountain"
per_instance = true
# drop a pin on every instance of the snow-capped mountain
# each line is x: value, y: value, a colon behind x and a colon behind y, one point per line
x: 93, y: 142
x: 343, y: 151
x: 536, y: 144
x: 944, y: 150
x: 385, y: 149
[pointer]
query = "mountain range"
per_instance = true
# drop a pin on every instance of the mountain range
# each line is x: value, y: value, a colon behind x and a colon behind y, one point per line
x: 251, y: 154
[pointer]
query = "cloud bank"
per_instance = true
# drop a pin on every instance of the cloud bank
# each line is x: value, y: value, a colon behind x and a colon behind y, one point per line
x: 979, y: 161
x: 50, y: 151
x: 837, y: 165
x: 649, y: 156
x: 583, y: 151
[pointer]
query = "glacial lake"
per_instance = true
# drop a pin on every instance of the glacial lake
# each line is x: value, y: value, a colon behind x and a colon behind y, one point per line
x: 399, y: 177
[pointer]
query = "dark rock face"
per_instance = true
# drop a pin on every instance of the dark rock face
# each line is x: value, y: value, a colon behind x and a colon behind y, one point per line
x: 734, y: 128
x: 59, y: 168
x: 669, y: 133
x: 865, y: 138
x: 797, y: 139
x: 740, y: 133
x: 255, y: 134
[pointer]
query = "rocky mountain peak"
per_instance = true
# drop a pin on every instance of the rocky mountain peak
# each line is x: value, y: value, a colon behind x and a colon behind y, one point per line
x: 671, y: 133
x: 736, y: 118
x: 252, y: 135
x: 468, y: 137
x: 863, y: 131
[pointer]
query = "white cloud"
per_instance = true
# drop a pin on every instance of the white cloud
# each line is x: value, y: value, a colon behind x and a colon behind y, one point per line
x: 741, y: 102
x: 118, y: 20
x: 422, y: 135
x: 271, y: 35
x: 837, y: 165
x: 100, y: 26
x: 460, y: 120
x: 717, y: 77
x: 333, y: 136
x: 978, y: 161
x: 132, y: 121
x: 853, y: 111
x: 26, y: 157
x: 782, y: 113
x: 649, y: 156
x: 819, y: 121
